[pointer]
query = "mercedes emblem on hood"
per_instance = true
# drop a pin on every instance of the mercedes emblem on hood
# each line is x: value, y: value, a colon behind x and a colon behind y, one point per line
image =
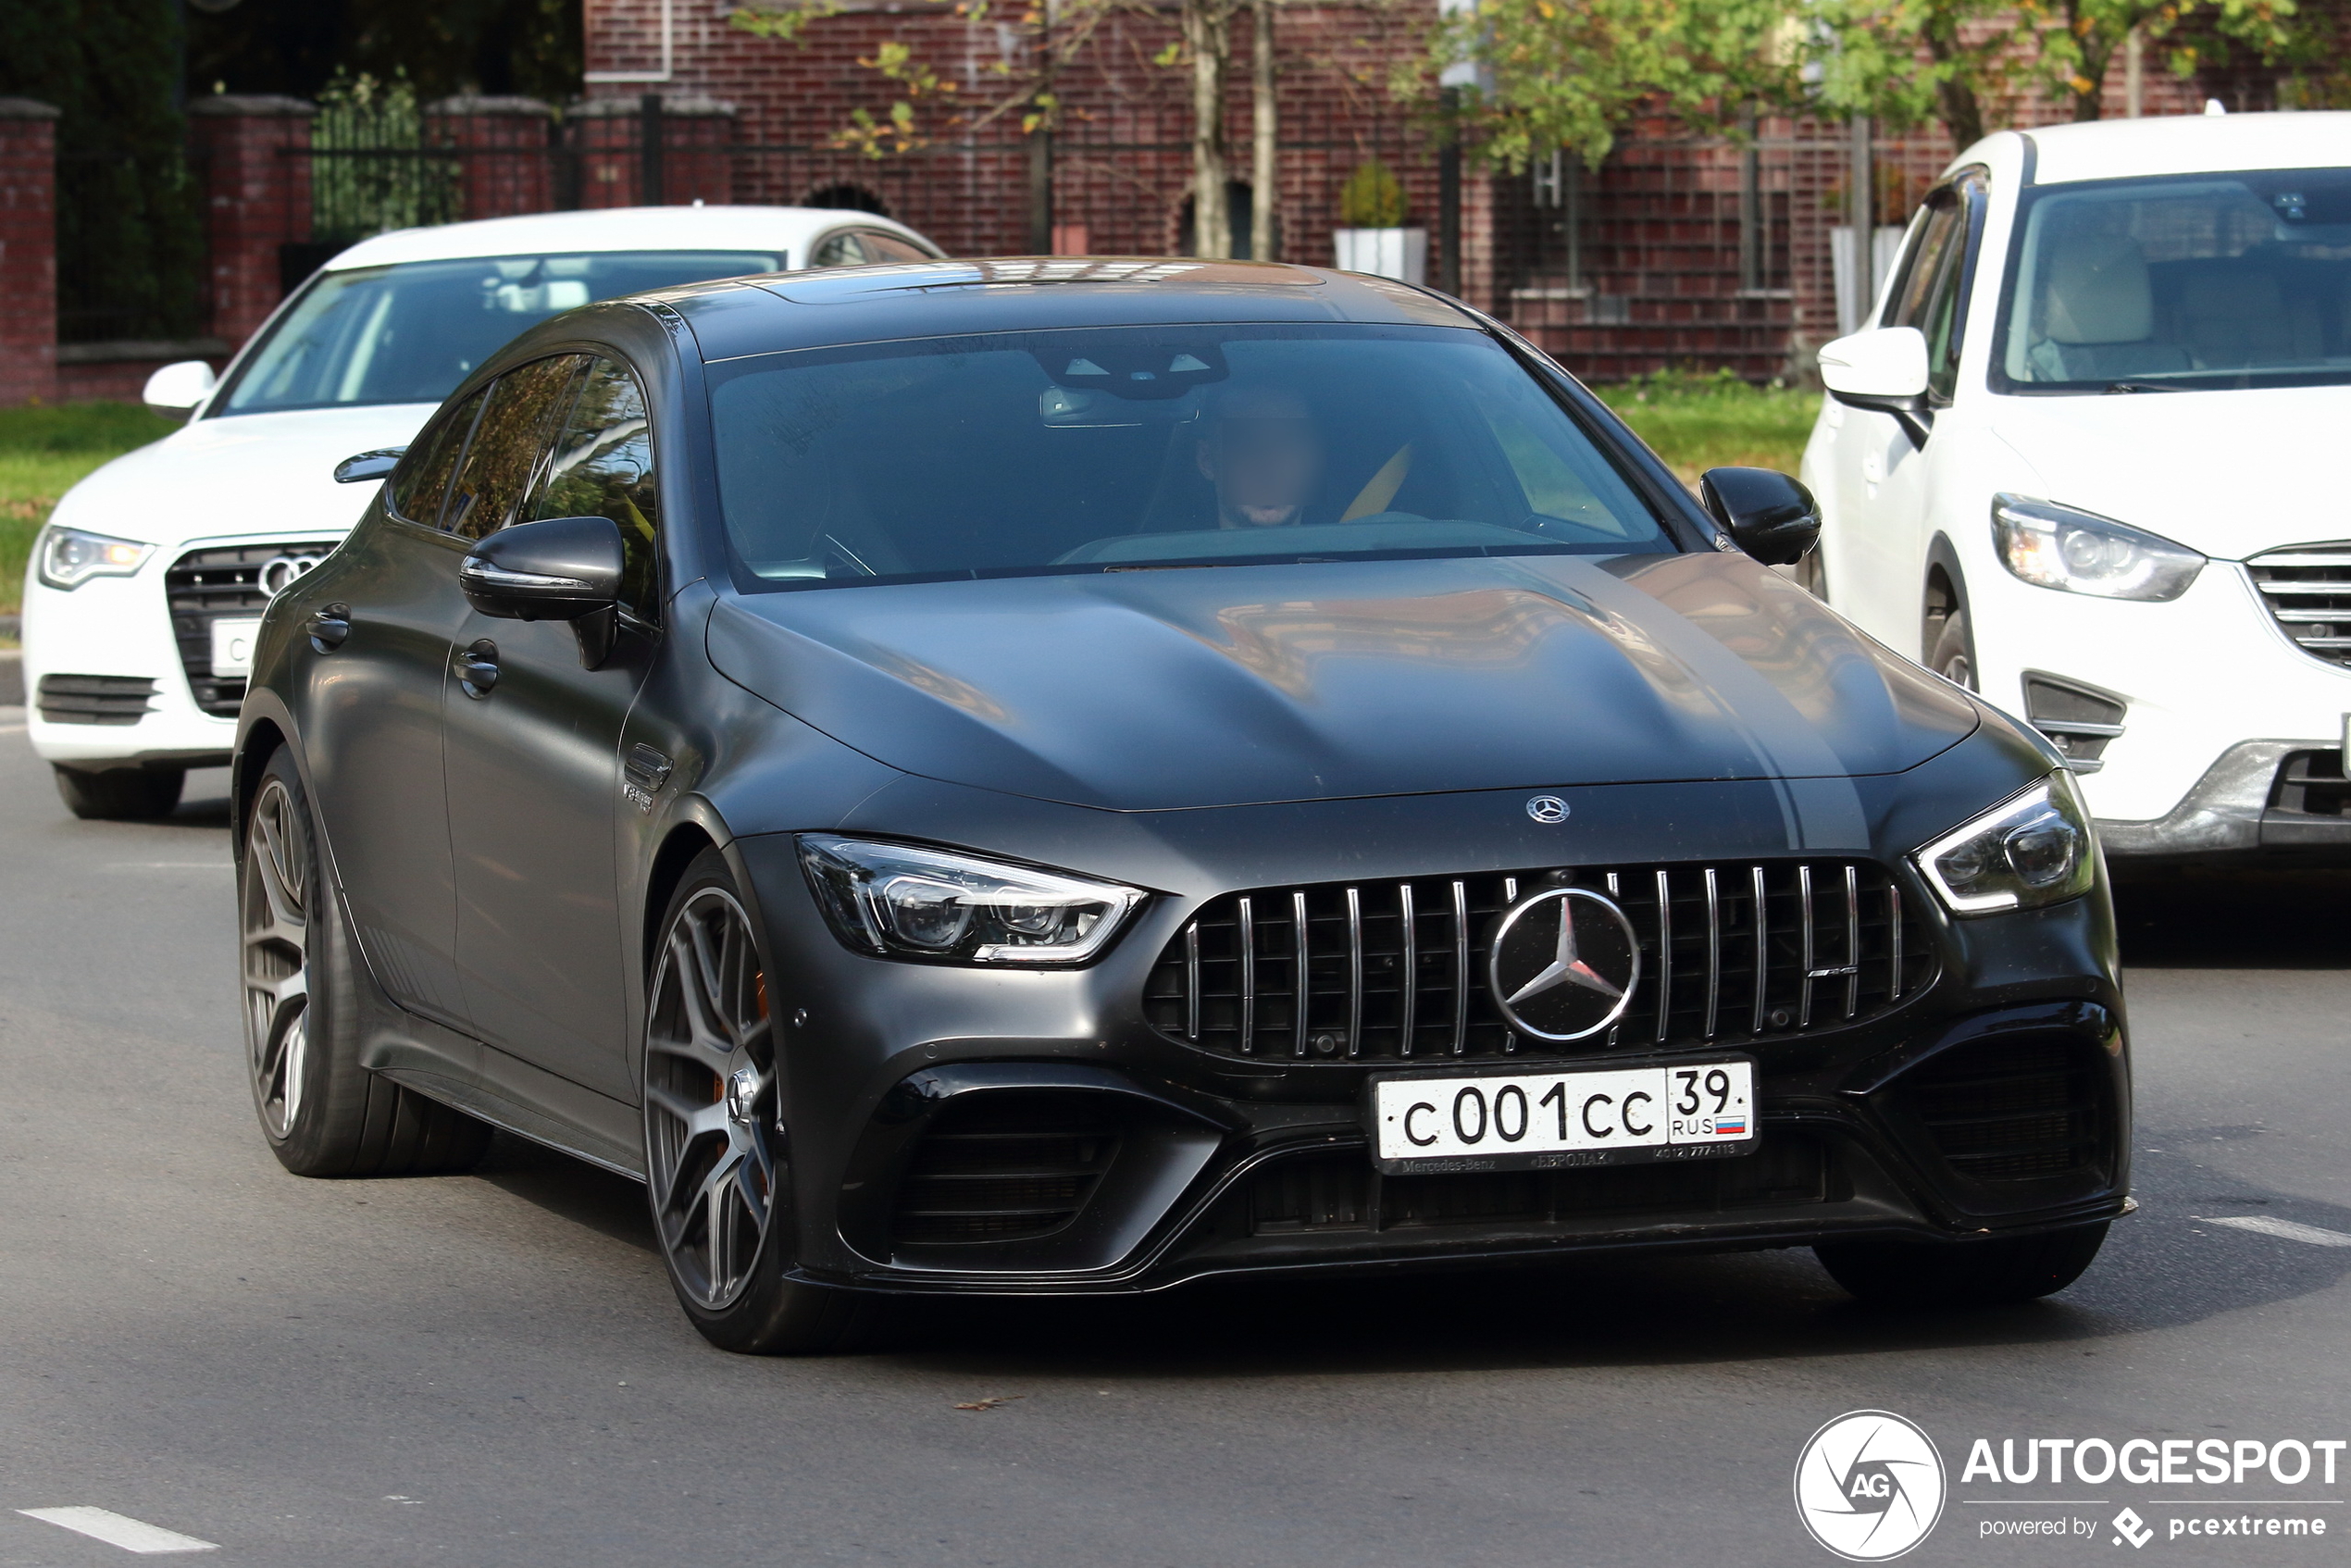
x: 1563, y: 965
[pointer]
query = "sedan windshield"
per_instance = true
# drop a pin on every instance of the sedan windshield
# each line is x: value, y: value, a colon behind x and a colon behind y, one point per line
x: 2215, y: 280
x: 410, y: 333
x: 1119, y: 449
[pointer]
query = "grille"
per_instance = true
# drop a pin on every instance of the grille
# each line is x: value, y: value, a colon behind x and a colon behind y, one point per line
x: 2079, y: 720
x: 2011, y: 1110
x: 2308, y: 588
x: 206, y: 585
x: 1393, y: 970
x: 1005, y: 1167
x: 2311, y: 784
x: 95, y: 699
x: 1342, y: 1192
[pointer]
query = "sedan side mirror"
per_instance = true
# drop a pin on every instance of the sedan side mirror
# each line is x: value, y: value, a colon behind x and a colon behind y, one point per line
x: 375, y: 465
x: 556, y: 569
x: 173, y: 392
x: 1884, y: 370
x: 1768, y: 515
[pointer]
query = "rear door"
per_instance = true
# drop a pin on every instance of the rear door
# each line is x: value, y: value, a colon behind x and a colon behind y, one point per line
x: 534, y: 774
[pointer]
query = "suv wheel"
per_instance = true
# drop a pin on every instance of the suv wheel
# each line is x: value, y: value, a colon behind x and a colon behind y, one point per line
x: 1953, y: 657
x: 121, y: 794
x: 1962, y: 1274
x: 323, y: 1114
x: 716, y: 1155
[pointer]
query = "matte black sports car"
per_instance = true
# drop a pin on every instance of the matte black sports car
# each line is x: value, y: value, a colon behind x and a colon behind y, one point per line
x: 1044, y: 776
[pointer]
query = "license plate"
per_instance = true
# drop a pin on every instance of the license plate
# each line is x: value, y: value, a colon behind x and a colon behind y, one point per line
x: 232, y: 645
x: 1425, y: 1123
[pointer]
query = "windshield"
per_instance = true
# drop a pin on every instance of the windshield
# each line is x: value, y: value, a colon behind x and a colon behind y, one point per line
x: 2215, y: 280
x: 1103, y: 450
x: 410, y: 333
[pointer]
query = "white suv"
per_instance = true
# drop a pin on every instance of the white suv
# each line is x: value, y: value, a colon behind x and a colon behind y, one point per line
x: 148, y: 585
x: 2080, y: 463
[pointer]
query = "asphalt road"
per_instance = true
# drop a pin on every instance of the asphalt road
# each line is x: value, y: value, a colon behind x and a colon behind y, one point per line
x: 490, y: 1369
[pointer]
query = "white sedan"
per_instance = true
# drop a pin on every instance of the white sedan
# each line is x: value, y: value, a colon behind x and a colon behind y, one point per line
x: 147, y: 587
x: 2082, y: 461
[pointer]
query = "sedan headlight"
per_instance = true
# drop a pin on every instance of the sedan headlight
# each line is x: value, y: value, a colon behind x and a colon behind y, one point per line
x: 905, y: 902
x: 68, y: 557
x: 2053, y: 546
x: 2030, y: 850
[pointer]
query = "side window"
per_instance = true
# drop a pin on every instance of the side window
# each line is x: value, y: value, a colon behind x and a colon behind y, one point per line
x: 1933, y: 277
x: 882, y: 246
x: 838, y: 250
x: 422, y: 478
x: 603, y: 466
x: 511, y: 445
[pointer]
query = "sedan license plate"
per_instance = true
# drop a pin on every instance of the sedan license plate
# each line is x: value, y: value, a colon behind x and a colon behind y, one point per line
x: 1427, y: 1123
x: 232, y: 642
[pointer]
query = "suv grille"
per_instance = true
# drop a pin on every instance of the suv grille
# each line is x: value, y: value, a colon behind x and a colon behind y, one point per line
x: 95, y: 699
x: 2308, y: 588
x: 1005, y: 1166
x: 1398, y: 970
x: 2011, y: 1110
x: 204, y: 586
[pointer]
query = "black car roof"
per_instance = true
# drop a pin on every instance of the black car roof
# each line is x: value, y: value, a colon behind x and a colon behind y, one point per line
x: 737, y: 316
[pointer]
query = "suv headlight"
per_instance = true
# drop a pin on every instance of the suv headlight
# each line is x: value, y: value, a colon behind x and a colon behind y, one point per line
x: 2030, y: 850
x: 68, y: 557
x: 2053, y: 546
x: 905, y: 902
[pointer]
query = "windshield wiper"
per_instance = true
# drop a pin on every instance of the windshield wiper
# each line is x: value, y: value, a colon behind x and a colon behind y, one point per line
x: 2140, y: 386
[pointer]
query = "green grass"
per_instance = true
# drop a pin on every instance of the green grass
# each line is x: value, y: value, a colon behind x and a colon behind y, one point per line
x: 44, y: 449
x: 1701, y: 422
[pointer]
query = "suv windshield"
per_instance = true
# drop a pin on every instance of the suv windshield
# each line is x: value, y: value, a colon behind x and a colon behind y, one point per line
x: 1110, y: 449
x: 2239, y: 280
x: 410, y: 333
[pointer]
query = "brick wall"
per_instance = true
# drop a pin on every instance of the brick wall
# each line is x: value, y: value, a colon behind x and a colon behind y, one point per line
x: 256, y: 199
x: 28, y: 251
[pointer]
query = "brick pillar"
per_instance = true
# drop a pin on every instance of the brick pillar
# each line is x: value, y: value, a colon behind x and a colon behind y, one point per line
x: 696, y: 163
x: 256, y: 200
x: 504, y: 159
x: 28, y: 251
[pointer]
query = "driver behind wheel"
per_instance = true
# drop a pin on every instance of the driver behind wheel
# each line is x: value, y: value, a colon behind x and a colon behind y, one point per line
x: 1264, y: 452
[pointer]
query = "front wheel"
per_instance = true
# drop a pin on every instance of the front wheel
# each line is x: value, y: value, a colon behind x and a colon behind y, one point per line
x: 121, y: 794
x: 1962, y: 1274
x: 716, y: 1155
x: 1953, y: 656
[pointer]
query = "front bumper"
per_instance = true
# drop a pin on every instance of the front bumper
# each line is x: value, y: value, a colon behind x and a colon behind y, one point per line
x: 2283, y: 797
x: 1165, y: 1162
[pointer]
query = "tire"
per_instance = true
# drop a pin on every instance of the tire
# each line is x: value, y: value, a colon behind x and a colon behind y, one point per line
x: 1962, y: 1274
x: 1953, y: 654
x: 322, y: 1112
x: 121, y: 794
x: 716, y: 1175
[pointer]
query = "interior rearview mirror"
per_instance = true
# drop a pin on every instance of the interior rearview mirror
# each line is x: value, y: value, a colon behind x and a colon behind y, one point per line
x: 1882, y: 369
x: 173, y: 392
x: 556, y: 569
x: 1768, y: 515
x: 375, y: 465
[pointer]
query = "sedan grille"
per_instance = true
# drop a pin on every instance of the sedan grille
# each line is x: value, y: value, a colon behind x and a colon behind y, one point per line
x: 2307, y: 589
x: 95, y: 699
x: 204, y: 586
x: 1397, y: 970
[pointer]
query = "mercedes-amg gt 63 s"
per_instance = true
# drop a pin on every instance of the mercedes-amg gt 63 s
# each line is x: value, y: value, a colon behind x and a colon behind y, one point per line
x: 1058, y: 776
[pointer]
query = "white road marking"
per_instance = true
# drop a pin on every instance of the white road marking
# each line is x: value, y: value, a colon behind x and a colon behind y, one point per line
x: 11, y: 728
x: 170, y: 866
x: 2284, y: 1231
x: 114, y: 1529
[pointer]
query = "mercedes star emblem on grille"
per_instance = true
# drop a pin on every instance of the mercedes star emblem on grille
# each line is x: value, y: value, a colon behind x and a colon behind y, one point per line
x: 1563, y: 965
x: 1546, y: 809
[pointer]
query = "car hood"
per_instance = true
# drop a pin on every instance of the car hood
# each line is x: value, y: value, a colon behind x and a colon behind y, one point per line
x: 250, y: 474
x: 2227, y: 473
x: 1174, y: 689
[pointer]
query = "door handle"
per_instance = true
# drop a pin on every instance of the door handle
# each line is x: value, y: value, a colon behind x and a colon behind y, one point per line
x: 478, y: 668
x: 330, y: 626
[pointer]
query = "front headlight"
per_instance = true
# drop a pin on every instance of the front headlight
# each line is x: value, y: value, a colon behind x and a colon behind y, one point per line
x: 68, y: 557
x: 2053, y: 546
x: 2030, y: 850
x: 905, y: 902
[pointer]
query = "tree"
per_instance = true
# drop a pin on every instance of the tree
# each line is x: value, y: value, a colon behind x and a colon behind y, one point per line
x: 1911, y: 61
x: 2078, y: 38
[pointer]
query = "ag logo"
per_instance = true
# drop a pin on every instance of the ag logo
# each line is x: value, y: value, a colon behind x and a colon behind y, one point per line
x: 1868, y: 1485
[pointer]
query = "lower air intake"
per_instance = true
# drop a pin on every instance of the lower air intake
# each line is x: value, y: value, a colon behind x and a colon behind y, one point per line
x: 1006, y: 1166
x: 2017, y: 1110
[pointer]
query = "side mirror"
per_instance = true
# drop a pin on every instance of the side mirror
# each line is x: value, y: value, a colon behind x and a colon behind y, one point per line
x: 1884, y: 370
x: 556, y: 569
x: 375, y: 465
x: 1768, y: 515
x: 174, y: 391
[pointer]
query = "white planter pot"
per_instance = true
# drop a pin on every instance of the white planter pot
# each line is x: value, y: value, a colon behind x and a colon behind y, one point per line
x: 1401, y: 253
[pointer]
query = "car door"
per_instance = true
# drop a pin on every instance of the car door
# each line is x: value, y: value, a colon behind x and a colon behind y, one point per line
x: 1886, y: 474
x: 533, y: 766
x: 372, y: 724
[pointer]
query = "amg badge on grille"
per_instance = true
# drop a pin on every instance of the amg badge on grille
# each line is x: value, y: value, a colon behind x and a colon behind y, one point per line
x: 1564, y: 963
